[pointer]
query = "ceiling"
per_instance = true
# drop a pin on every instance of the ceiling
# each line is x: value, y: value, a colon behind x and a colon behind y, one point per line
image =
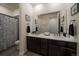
x: 11, y: 6
x: 34, y: 4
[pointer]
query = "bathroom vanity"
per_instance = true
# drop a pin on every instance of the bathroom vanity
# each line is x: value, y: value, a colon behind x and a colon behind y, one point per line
x: 51, y: 45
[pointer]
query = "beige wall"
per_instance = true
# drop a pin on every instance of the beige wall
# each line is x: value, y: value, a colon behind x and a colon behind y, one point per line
x: 74, y: 17
x: 49, y: 7
x: 5, y: 10
x: 63, y: 13
x: 15, y: 12
x: 8, y: 11
x: 24, y: 9
x: 32, y: 23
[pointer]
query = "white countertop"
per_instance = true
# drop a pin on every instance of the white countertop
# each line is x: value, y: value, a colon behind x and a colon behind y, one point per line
x: 54, y: 37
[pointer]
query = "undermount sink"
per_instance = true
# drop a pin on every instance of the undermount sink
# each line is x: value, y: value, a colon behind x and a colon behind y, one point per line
x: 47, y: 34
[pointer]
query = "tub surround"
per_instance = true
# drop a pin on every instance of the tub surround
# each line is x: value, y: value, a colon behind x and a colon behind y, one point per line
x: 54, y: 37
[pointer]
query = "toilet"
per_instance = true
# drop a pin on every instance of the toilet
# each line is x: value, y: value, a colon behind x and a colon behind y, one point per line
x: 17, y: 44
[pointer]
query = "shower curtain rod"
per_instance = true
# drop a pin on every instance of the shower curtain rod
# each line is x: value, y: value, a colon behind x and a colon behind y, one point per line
x: 8, y: 15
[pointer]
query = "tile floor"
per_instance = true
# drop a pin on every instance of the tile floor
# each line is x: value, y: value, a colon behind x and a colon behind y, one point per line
x: 14, y: 52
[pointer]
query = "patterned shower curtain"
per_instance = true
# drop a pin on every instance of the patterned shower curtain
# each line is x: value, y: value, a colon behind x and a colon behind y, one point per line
x: 8, y: 31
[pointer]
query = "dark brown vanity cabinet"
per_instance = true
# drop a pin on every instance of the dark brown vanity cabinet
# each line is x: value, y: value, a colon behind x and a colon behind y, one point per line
x: 49, y: 47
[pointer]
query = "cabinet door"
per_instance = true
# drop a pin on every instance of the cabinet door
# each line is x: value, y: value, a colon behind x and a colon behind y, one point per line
x: 29, y: 43
x: 33, y: 44
x: 44, y: 47
x: 60, y: 51
x: 69, y: 52
x: 55, y: 50
x: 37, y: 45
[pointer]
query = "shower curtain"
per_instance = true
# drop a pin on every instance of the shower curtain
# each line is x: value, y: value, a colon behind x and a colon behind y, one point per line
x: 8, y: 31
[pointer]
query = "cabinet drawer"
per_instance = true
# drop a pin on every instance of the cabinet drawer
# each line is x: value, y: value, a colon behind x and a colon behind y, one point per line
x: 56, y: 42
x: 63, y: 44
